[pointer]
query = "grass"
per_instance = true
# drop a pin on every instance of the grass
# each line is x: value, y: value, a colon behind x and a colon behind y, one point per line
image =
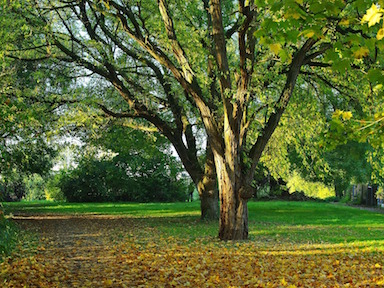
x: 290, y: 222
x: 129, y: 209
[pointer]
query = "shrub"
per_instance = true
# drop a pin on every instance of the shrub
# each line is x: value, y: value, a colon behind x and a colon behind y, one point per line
x: 108, y: 180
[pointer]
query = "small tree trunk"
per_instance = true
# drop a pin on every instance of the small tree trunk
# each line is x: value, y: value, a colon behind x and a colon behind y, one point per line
x: 209, y: 205
x: 208, y: 192
x: 209, y: 195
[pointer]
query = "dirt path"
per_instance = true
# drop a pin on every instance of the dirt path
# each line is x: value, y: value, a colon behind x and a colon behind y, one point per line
x: 74, y: 251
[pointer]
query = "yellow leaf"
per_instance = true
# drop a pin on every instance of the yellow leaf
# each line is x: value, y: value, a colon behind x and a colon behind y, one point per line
x: 361, y: 52
x: 296, y: 16
x: 347, y: 115
x: 283, y: 282
x: 337, y: 113
x: 300, y: 2
x: 106, y: 4
x: 310, y: 34
x: 377, y: 265
x: 377, y: 88
x: 372, y: 16
x: 380, y: 34
x: 344, y: 22
x: 276, y: 47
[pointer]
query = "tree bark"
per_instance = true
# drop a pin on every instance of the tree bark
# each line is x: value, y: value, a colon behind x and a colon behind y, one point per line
x: 208, y: 192
x: 237, y: 226
x: 209, y: 204
x: 234, y: 196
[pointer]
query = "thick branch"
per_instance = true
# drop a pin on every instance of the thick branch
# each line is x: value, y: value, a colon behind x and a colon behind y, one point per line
x: 176, y: 47
x: 220, y: 45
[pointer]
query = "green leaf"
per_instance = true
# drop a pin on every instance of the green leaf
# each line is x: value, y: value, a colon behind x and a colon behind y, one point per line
x: 375, y: 76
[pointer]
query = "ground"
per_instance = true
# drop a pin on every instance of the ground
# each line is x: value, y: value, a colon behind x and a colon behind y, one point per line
x: 122, y: 251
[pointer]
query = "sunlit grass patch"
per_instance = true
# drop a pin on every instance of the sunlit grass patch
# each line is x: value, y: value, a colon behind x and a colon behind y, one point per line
x: 129, y: 209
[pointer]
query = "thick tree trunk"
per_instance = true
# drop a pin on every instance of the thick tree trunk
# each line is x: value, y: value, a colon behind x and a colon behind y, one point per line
x: 233, y: 219
x: 233, y: 203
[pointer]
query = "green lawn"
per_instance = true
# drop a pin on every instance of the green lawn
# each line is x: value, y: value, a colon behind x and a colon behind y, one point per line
x: 290, y: 222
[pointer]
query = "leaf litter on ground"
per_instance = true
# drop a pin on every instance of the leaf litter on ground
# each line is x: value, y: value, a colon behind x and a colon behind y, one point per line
x: 115, y: 251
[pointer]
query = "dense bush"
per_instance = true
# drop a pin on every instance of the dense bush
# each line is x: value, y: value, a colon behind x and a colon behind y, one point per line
x: 112, y: 180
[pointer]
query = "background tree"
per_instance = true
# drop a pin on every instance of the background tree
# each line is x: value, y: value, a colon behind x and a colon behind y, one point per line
x: 32, y: 95
x: 230, y: 68
x: 125, y: 165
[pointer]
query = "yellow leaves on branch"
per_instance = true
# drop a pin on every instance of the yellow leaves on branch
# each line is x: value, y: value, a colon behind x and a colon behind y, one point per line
x: 374, y: 16
x: 344, y: 22
x: 346, y: 115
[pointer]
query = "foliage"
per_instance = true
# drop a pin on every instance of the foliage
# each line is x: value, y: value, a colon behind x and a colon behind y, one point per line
x: 110, y: 180
x: 373, y: 16
x: 23, y: 161
x: 291, y: 245
x: 34, y: 186
x: 12, y: 187
x: 125, y: 165
x: 310, y: 189
x: 52, y: 189
x: 27, y: 108
x: 304, y: 150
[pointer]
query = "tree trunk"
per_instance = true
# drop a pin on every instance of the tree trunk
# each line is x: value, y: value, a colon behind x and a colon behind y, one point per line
x: 233, y: 219
x: 234, y: 196
x: 210, y: 205
x: 208, y: 191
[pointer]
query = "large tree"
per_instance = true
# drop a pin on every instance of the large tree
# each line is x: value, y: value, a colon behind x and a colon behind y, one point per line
x: 228, y: 68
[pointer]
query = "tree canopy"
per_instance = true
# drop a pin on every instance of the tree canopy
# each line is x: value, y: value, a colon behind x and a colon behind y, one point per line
x: 222, y: 69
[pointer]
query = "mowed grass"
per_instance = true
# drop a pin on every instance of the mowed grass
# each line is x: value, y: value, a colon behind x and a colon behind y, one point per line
x: 291, y: 222
x: 291, y: 244
x: 130, y: 209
